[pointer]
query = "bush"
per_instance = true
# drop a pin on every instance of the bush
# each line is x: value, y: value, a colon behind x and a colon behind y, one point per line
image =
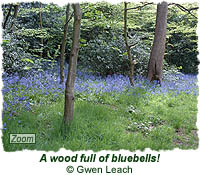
x: 17, y: 60
x: 109, y: 56
x: 182, y: 51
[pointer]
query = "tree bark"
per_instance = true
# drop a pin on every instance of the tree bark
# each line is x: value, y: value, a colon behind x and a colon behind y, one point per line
x: 64, y: 41
x: 155, y: 64
x: 16, y: 8
x: 69, y: 90
x: 7, y: 16
x: 131, y: 64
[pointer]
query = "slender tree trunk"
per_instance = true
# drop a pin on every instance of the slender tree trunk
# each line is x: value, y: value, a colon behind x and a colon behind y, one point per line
x: 155, y: 64
x: 16, y: 8
x: 7, y: 16
x: 69, y: 90
x: 41, y: 40
x: 128, y: 48
x: 64, y: 41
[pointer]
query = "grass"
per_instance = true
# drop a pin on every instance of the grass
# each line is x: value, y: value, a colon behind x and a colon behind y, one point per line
x: 109, y: 113
x: 110, y: 121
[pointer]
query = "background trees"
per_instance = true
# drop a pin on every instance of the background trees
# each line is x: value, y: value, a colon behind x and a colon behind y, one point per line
x: 181, y: 45
x: 102, y: 48
x: 23, y: 45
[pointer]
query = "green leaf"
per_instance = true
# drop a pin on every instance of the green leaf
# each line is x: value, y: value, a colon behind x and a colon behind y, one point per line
x: 83, y: 45
x: 125, y: 53
x: 115, y: 48
x: 83, y: 40
x: 5, y: 41
x: 27, y: 68
x: 27, y: 60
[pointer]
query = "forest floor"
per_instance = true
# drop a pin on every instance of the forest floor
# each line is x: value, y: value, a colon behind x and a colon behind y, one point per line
x: 109, y: 113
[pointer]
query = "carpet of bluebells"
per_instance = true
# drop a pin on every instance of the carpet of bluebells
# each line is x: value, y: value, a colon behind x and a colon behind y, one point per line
x: 23, y: 92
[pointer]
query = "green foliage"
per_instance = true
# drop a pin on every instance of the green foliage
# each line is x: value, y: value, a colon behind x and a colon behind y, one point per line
x: 181, y: 48
x: 122, y: 123
x: 102, y: 43
x: 28, y: 28
x: 22, y: 48
x: 104, y: 57
x: 100, y: 19
x: 108, y: 56
x: 15, y: 59
x: 183, y: 51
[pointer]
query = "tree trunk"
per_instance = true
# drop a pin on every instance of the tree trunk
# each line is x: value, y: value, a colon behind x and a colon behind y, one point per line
x: 16, y: 8
x: 41, y: 40
x: 69, y: 90
x: 158, y: 49
x: 62, y: 56
x: 7, y: 16
x: 131, y: 64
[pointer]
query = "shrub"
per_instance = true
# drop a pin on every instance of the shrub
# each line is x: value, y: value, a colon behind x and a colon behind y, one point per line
x: 182, y: 51
x: 109, y: 56
x: 15, y: 59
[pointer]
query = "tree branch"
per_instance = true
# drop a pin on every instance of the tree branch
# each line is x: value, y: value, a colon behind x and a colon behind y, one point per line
x: 139, y: 7
x: 132, y: 45
x: 70, y: 17
x: 185, y: 9
x: 194, y: 8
